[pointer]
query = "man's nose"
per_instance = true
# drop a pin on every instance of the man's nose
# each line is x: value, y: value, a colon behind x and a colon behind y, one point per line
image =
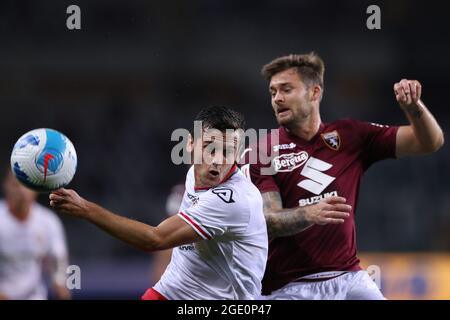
x: 278, y: 97
x: 217, y: 159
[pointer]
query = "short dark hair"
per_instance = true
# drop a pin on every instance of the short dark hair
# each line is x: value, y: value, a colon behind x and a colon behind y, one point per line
x: 310, y: 67
x: 221, y: 118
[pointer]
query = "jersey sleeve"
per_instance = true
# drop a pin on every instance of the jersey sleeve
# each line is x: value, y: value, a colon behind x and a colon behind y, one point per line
x: 378, y: 142
x: 219, y: 211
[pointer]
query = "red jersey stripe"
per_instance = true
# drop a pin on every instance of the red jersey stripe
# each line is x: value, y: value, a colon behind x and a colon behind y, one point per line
x: 197, y: 227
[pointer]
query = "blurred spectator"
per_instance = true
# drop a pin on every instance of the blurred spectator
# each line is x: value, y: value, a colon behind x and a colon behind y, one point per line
x: 32, y: 243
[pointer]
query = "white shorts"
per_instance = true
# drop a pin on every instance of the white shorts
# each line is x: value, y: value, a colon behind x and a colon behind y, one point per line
x: 353, y: 285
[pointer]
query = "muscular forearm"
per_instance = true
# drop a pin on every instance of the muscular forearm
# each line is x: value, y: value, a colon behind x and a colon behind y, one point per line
x: 135, y: 233
x: 283, y: 222
x: 170, y: 233
x: 286, y: 222
x: 425, y: 127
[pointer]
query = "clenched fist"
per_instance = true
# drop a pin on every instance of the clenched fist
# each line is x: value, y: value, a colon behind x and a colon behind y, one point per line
x: 408, y: 93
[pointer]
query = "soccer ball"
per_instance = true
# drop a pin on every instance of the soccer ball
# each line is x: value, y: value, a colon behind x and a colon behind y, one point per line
x: 44, y: 160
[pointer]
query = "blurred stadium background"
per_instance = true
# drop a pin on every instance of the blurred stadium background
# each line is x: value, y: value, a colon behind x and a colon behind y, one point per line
x: 137, y: 70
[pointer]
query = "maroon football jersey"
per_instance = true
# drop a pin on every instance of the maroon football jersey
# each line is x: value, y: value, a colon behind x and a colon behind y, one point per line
x: 330, y: 164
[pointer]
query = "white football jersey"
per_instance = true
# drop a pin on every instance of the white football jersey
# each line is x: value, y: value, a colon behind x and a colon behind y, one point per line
x: 230, y: 262
x: 24, y: 247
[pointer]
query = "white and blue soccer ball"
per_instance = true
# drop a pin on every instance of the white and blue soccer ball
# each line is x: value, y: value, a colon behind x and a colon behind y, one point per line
x: 44, y: 160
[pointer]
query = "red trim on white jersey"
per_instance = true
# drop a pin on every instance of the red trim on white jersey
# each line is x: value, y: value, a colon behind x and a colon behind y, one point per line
x: 200, y: 230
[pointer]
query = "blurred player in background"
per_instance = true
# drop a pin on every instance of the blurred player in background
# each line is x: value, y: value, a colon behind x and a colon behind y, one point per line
x: 161, y: 259
x: 317, y: 161
x: 31, y: 241
x: 219, y: 233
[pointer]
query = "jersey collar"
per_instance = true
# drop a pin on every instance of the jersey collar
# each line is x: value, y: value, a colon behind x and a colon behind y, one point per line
x: 292, y: 136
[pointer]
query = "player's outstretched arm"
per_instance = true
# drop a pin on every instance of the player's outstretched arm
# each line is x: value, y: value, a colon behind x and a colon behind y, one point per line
x: 170, y: 233
x: 423, y: 135
x: 285, y: 222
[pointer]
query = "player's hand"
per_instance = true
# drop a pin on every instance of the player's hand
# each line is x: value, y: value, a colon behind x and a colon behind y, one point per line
x: 68, y: 202
x: 331, y: 210
x: 408, y: 93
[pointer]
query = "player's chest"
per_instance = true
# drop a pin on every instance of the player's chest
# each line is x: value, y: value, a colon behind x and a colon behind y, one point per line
x: 19, y: 242
x: 312, y: 169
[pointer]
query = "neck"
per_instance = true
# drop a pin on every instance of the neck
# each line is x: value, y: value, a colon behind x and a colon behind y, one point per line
x: 306, y: 128
x: 20, y: 213
x: 198, y: 184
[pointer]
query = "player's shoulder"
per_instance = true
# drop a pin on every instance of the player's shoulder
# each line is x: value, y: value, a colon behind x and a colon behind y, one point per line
x: 232, y: 195
x: 348, y: 123
x: 351, y: 128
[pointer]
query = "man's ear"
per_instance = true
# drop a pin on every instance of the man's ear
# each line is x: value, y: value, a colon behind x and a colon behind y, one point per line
x: 196, y: 156
x: 315, y: 93
x: 240, y: 145
x: 190, y: 144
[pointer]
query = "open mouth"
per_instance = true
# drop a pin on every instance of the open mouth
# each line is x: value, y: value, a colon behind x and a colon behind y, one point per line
x: 214, y: 173
x: 283, y: 110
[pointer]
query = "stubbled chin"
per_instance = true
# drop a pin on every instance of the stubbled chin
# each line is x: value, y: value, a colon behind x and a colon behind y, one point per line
x: 284, y: 120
